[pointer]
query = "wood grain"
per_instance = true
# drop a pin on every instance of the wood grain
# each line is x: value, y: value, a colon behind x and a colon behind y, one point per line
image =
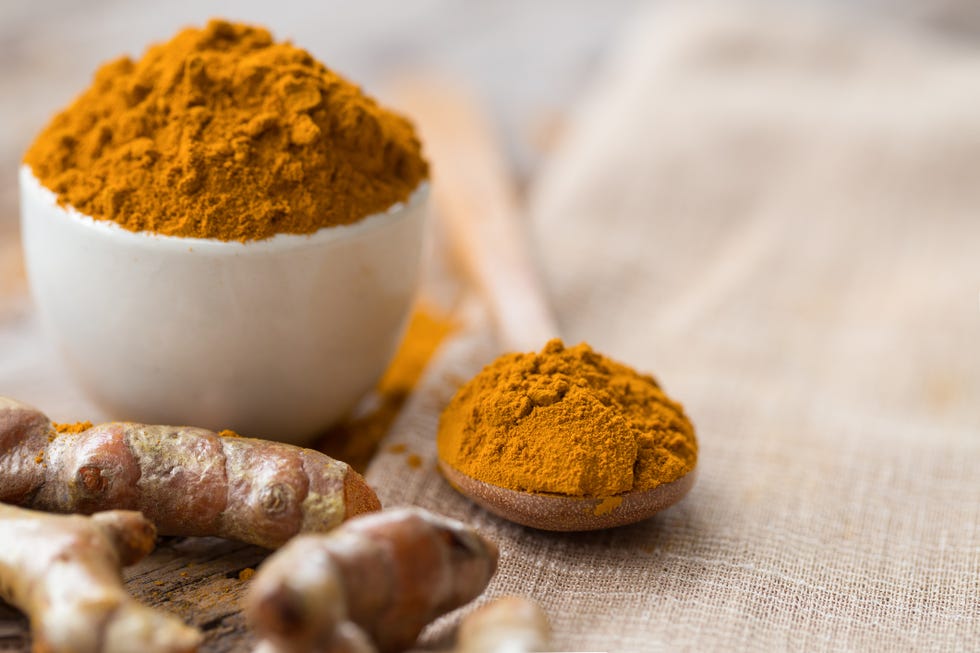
x: 194, y: 578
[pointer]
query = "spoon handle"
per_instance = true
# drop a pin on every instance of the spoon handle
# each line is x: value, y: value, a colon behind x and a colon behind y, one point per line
x: 476, y: 200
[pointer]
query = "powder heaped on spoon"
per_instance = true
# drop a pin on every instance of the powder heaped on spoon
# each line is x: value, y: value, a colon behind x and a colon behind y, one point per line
x: 566, y: 421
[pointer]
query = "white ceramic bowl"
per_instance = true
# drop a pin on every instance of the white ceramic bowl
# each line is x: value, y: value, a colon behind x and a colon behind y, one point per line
x: 276, y: 338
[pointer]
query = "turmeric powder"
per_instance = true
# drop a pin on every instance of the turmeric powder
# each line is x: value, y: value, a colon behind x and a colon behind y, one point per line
x: 223, y: 133
x: 71, y: 427
x: 567, y: 421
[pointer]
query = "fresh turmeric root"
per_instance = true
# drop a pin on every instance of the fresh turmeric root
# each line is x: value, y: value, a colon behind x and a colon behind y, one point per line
x: 64, y: 573
x: 372, y: 584
x: 510, y: 624
x: 187, y: 481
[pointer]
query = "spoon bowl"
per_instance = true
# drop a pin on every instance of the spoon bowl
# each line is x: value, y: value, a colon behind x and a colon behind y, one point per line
x: 554, y: 512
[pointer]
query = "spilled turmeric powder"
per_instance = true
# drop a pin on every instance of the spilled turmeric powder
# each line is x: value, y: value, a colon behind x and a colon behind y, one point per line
x: 356, y: 440
x: 71, y: 427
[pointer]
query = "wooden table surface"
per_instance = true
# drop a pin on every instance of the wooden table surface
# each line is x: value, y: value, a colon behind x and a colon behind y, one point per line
x: 526, y: 60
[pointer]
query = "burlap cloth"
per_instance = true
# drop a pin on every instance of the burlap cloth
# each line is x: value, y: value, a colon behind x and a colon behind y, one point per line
x: 779, y: 216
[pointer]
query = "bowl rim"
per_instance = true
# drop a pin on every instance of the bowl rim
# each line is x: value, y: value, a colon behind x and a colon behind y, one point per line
x: 281, y: 241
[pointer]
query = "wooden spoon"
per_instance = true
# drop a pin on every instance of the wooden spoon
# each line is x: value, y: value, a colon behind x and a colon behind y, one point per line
x: 556, y: 512
x: 475, y: 198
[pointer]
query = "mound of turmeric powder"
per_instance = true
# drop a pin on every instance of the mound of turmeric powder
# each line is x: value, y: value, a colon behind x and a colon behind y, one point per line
x: 566, y: 421
x: 223, y: 133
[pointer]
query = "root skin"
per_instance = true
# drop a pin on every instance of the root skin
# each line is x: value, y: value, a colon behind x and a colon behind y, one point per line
x: 390, y: 573
x: 187, y: 481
